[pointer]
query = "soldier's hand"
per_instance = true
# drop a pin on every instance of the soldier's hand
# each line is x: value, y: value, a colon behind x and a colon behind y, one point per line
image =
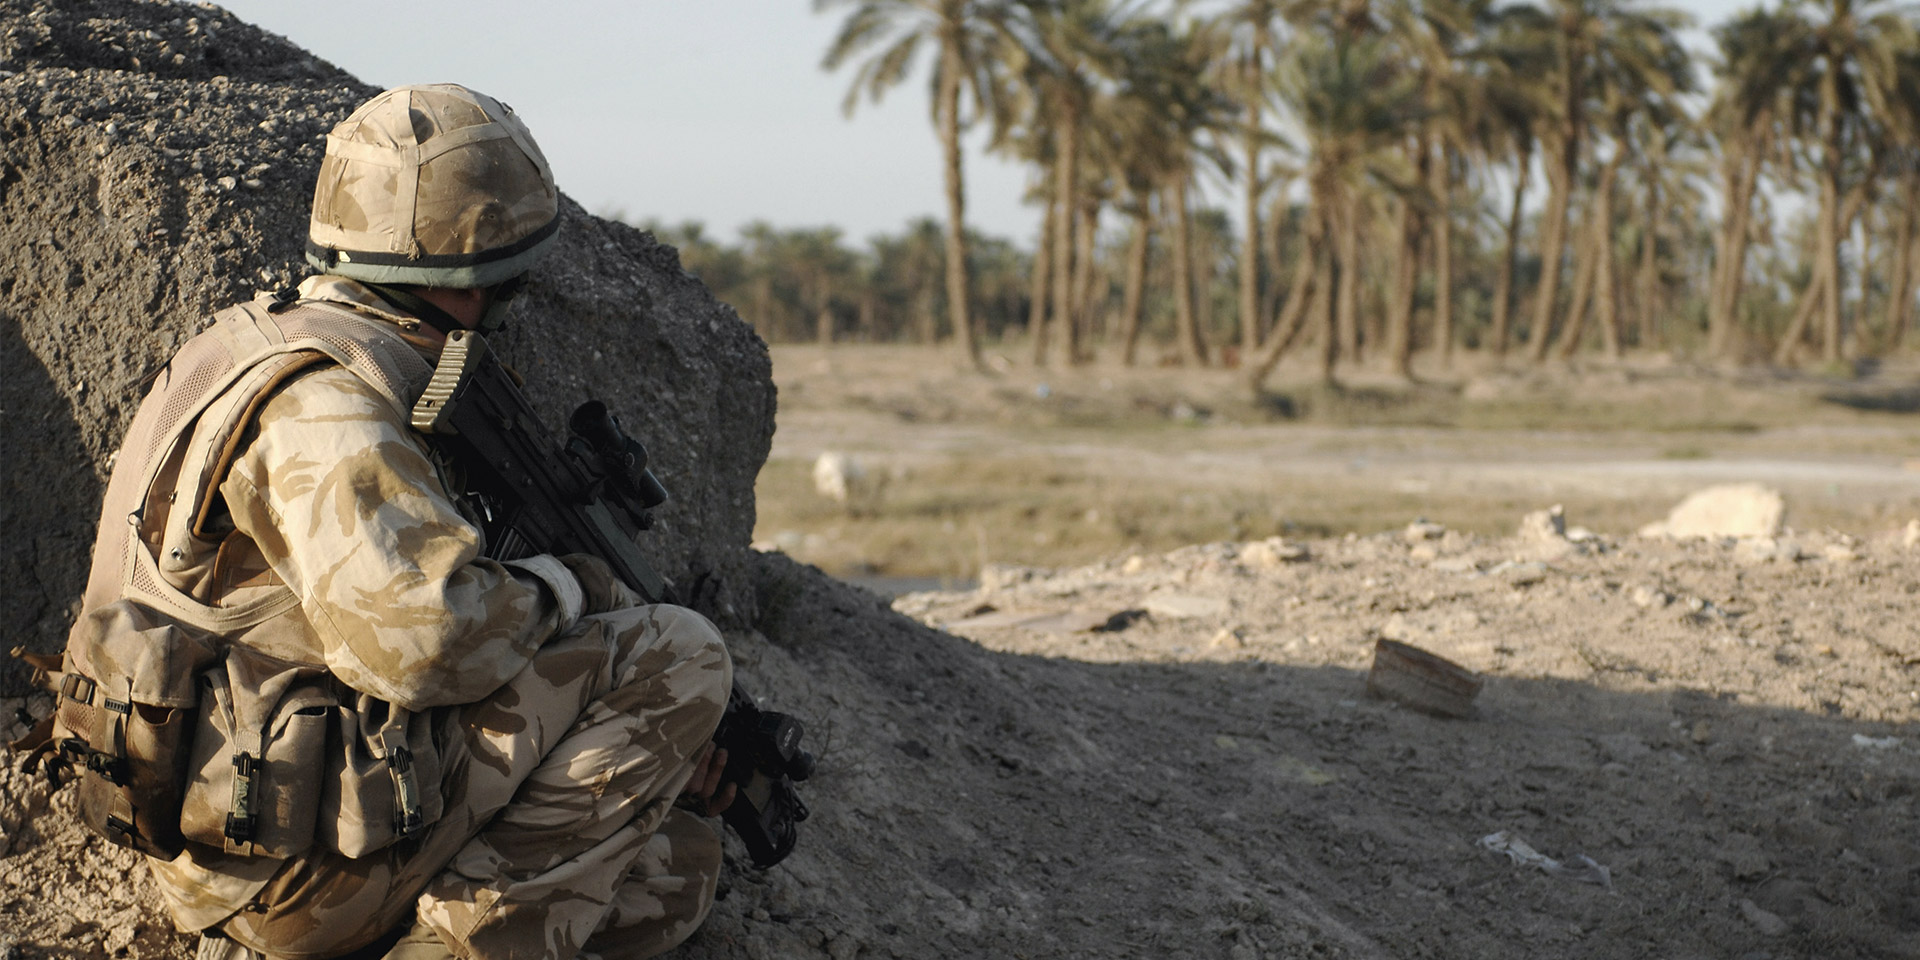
x: 703, y: 792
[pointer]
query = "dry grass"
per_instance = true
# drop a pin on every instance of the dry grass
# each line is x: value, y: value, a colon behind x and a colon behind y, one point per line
x: 1051, y: 468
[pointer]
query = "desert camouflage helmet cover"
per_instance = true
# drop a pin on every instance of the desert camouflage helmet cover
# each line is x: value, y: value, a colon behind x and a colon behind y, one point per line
x: 435, y: 185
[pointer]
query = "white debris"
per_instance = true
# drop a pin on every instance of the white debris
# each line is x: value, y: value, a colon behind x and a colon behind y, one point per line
x: 1728, y: 510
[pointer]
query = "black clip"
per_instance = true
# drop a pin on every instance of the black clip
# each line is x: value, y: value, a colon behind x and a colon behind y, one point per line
x: 408, y: 818
x: 241, y: 823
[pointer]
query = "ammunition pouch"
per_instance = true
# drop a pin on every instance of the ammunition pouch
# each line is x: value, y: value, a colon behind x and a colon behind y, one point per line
x: 258, y: 747
x: 382, y: 782
x: 123, y: 721
x: 285, y: 758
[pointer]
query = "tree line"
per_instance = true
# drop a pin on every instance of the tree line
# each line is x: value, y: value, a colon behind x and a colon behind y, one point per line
x: 1534, y: 178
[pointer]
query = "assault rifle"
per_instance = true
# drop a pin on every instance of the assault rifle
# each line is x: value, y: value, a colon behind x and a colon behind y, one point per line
x: 594, y: 494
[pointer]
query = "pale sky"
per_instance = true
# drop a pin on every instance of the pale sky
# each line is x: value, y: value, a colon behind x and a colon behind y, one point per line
x: 711, y: 110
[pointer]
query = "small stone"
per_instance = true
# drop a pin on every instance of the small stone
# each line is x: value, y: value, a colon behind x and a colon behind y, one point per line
x: 1839, y: 553
x: 843, y: 947
x: 1544, y: 525
x: 1702, y: 732
x: 227, y: 184
x: 1911, y: 538
x: 1271, y: 552
x: 1134, y: 564
x: 1422, y: 529
x: 1769, y: 924
x: 1649, y: 598
x: 1232, y: 638
x: 1524, y: 574
x: 1424, y: 553
x: 1183, y: 606
x: 1758, y: 550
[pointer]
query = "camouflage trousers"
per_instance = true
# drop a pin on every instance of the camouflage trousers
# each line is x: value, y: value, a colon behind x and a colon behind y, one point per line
x: 560, y: 837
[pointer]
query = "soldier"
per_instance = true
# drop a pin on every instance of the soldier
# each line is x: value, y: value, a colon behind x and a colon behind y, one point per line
x: 399, y: 745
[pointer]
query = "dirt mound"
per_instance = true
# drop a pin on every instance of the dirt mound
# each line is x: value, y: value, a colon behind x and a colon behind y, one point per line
x: 159, y: 160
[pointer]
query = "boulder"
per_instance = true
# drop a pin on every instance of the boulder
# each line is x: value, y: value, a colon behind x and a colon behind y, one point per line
x: 1728, y: 510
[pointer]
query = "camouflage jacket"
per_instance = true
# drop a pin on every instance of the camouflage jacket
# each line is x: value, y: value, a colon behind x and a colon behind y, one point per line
x: 334, y: 498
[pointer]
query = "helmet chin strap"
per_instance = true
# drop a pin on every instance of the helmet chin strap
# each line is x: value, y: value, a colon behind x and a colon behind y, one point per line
x: 419, y: 306
x: 498, y: 305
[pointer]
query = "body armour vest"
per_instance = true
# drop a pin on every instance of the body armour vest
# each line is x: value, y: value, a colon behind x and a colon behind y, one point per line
x: 189, y: 695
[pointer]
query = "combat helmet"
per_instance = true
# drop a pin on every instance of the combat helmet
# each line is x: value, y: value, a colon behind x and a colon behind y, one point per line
x: 435, y: 185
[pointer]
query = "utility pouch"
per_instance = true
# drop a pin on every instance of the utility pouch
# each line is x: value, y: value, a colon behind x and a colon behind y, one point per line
x: 382, y: 782
x: 123, y: 720
x: 259, y: 748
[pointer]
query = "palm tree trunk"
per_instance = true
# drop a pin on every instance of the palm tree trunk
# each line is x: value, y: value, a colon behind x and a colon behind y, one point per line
x: 1083, y: 283
x: 1561, y: 170
x: 1595, y: 277
x: 1503, y: 286
x: 823, y: 318
x: 1821, y: 286
x: 1193, y: 350
x: 1646, y: 316
x: 1287, y: 327
x: 1802, y: 315
x: 1827, y: 239
x: 1443, y: 256
x: 1132, y: 303
x: 1037, y: 289
x: 1606, y: 291
x: 959, y: 309
x: 1900, y: 281
x: 1730, y: 271
x: 1250, y: 331
x: 1066, y: 190
x: 1575, y: 328
x: 1324, y: 298
x: 1406, y: 274
x: 1347, y: 297
x: 1406, y: 253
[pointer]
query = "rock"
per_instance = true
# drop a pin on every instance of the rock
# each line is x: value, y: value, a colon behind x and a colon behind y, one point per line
x: 1650, y: 598
x: 1769, y: 924
x: 1134, y: 564
x: 1544, y: 525
x: 1521, y: 574
x: 1232, y: 638
x: 842, y: 478
x: 1911, y: 538
x: 1184, y: 606
x: 1422, y: 530
x: 1839, y: 553
x: 1424, y: 553
x: 843, y: 947
x: 1728, y: 510
x: 1272, y: 552
x: 1758, y: 550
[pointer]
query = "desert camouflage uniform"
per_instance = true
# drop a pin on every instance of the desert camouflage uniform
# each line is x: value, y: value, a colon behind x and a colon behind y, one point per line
x: 563, y: 734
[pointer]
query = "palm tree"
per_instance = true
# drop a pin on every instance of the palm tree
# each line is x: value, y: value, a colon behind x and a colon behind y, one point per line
x: 1854, y: 49
x: 1639, y: 68
x: 1065, y: 54
x: 967, y: 33
x: 1244, y: 73
x: 1756, y: 75
x: 1353, y: 98
x: 1598, y: 47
